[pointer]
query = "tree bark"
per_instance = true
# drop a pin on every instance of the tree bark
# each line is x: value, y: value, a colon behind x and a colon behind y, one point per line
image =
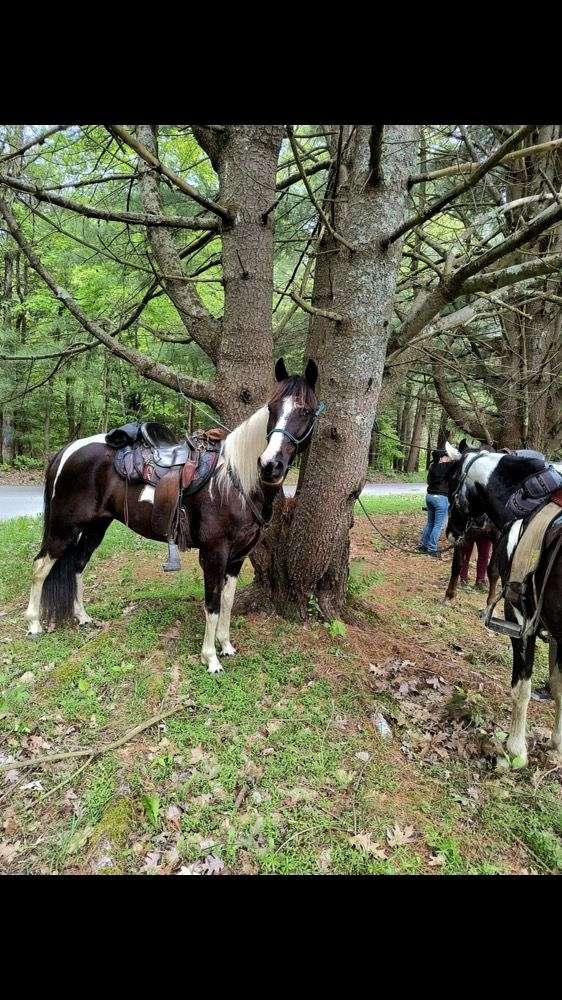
x: 312, y: 532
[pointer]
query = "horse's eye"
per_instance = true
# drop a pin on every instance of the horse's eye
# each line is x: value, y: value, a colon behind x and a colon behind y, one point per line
x: 307, y: 413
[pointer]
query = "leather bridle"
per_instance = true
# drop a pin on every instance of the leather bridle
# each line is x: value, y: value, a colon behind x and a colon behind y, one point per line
x: 290, y: 437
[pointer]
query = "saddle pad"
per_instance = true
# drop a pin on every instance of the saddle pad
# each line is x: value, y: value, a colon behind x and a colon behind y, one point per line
x: 528, y: 551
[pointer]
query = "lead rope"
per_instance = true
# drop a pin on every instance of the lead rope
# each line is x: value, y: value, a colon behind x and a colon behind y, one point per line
x: 401, y: 548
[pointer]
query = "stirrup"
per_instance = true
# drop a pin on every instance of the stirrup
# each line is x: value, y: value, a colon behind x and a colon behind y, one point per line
x: 173, y: 562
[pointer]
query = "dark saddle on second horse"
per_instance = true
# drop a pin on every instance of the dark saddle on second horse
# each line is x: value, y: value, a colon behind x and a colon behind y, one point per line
x: 150, y: 453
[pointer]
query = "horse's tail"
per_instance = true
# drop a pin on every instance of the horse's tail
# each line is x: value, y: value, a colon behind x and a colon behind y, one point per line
x: 59, y: 588
x: 47, y: 503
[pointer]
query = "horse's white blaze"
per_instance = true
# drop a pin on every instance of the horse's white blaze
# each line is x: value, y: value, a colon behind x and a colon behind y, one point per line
x: 223, y: 626
x: 516, y: 743
x: 72, y: 448
x: 513, y: 537
x: 276, y: 439
x: 41, y: 569
x: 208, y: 652
x: 79, y: 610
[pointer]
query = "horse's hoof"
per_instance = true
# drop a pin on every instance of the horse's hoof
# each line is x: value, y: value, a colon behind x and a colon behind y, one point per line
x: 228, y: 649
x: 84, y: 621
x: 215, y: 668
x: 34, y: 632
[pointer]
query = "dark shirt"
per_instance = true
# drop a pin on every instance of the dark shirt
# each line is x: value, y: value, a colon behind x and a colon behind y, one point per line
x: 436, y: 478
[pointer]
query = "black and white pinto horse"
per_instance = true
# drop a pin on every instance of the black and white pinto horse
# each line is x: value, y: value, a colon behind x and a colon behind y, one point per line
x: 482, y: 482
x: 84, y: 494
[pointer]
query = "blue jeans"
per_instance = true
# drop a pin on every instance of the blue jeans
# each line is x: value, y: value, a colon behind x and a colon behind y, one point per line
x: 437, y: 510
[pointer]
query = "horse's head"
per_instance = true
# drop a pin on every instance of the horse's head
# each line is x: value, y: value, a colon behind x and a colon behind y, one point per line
x: 293, y: 411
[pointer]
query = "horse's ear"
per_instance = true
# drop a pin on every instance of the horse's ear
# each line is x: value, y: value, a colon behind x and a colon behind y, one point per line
x: 463, y: 446
x: 452, y: 452
x: 281, y: 372
x: 311, y: 373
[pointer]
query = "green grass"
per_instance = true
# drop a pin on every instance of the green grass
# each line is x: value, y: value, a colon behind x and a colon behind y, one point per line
x: 395, y: 504
x: 275, y: 764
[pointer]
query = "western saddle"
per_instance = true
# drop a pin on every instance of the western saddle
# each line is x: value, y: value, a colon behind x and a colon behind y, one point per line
x: 171, y: 470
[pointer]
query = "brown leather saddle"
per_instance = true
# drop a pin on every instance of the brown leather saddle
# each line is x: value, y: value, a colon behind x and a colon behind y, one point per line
x: 150, y: 453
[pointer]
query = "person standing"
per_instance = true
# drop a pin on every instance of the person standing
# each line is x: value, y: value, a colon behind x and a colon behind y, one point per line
x: 437, y: 500
x: 484, y: 549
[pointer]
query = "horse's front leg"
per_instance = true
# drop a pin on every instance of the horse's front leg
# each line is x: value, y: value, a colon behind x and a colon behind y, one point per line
x: 523, y: 659
x: 227, y: 600
x: 213, y: 564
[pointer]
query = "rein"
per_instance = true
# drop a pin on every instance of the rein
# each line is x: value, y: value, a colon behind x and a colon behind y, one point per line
x: 298, y: 441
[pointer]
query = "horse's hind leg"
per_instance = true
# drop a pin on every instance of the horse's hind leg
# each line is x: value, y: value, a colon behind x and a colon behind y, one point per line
x: 227, y: 600
x: 555, y: 666
x: 42, y: 566
x: 213, y: 564
x: 523, y: 659
x: 90, y: 538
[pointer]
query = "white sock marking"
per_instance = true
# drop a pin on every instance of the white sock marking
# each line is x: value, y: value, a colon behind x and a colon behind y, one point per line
x: 72, y: 448
x: 208, y: 652
x: 79, y: 609
x: 41, y: 569
x: 520, y: 694
x: 223, y: 626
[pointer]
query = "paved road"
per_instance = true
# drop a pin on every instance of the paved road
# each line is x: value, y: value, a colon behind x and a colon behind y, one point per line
x: 18, y: 501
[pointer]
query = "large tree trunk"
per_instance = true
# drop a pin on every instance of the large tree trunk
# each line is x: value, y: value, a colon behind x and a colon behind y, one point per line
x: 311, y: 537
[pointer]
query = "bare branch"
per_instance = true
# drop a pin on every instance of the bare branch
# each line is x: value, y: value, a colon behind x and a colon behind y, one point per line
x: 198, y: 321
x: 145, y: 365
x: 467, y: 168
x: 310, y: 192
x: 480, y: 170
x: 153, y: 161
x: 130, y: 218
x: 38, y: 141
x: 295, y: 178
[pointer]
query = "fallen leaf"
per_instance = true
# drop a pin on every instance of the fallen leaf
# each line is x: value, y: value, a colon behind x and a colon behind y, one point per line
x: 436, y: 860
x: 397, y: 837
x: 9, y: 851
x: 173, y: 816
x: 79, y: 839
x: 363, y: 756
x: 11, y: 776
x: 364, y: 842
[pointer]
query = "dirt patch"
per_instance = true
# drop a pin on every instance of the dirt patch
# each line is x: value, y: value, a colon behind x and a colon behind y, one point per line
x: 21, y: 477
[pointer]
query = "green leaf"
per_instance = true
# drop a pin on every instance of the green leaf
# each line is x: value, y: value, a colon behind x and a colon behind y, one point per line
x: 151, y: 804
x: 517, y: 763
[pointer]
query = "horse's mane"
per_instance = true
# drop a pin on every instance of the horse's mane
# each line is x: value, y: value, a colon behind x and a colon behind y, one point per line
x: 240, y: 452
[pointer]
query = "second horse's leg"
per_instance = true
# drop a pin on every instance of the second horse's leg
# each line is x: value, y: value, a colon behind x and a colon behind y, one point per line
x: 555, y: 666
x: 523, y: 659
